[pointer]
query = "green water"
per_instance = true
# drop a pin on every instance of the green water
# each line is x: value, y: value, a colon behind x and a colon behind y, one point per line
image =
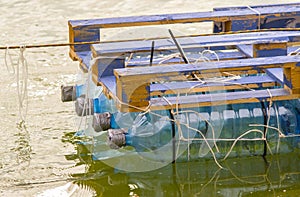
x: 41, y: 158
x: 250, y: 176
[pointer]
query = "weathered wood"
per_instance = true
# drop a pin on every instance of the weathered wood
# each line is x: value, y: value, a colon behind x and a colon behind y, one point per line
x: 156, y: 89
x: 197, y: 41
x: 135, y: 93
x: 276, y: 74
x: 269, y: 49
x: 251, y: 82
x: 109, y: 86
x: 222, y: 55
x: 191, y: 101
x: 257, y: 23
x: 194, y: 101
x: 260, y: 40
x: 176, y: 70
x: 273, y: 16
x: 247, y: 49
x: 133, y: 84
x: 291, y: 74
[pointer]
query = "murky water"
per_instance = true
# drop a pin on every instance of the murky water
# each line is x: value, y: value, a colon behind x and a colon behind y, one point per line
x: 39, y: 158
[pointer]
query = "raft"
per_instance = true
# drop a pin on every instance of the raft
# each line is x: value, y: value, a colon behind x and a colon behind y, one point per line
x: 232, y: 93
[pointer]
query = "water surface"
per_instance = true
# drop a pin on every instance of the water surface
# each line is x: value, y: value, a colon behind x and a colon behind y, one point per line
x: 40, y: 156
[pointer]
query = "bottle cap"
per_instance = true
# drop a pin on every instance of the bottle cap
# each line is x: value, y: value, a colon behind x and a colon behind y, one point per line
x: 84, y: 106
x: 116, y: 138
x: 101, y: 121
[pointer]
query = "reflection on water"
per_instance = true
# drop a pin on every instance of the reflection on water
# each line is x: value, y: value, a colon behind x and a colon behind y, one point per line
x: 23, y: 148
x: 250, y: 176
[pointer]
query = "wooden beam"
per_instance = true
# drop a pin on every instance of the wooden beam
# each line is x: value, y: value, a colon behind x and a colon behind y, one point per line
x: 217, y: 15
x: 196, y: 41
x: 177, y: 71
x: 244, y: 83
x: 195, y: 101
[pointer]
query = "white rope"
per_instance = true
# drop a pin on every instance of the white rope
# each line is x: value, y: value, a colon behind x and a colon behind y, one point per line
x: 296, y: 52
x: 257, y: 12
x: 22, y: 84
x: 9, y: 65
x: 168, y: 57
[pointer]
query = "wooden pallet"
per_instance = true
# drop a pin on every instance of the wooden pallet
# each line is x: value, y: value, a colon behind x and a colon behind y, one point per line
x: 230, y: 46
x: 224, y: 20
x: 258, y: 58
x: 138, y: 86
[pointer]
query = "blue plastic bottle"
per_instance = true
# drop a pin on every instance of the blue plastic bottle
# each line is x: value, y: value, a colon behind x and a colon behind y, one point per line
x: 88, y: 106
x: 148, y: 135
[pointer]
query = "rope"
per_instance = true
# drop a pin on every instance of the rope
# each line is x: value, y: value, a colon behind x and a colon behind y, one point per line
x: 98, y: 42
x: 9, y: 66
x: 22, y: 82
x: 257, y: 12
x: 48, y: 45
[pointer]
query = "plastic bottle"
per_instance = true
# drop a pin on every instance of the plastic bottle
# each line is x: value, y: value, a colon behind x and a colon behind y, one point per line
x: 147, y: 135
x: 84, y: 86
x: 117, y: 120
x: 88, y: 106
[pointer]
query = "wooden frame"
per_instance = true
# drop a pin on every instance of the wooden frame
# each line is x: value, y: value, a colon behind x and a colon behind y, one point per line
x: 225, y: 19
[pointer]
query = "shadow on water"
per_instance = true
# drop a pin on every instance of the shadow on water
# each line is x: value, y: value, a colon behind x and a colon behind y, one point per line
x: 274, y: 175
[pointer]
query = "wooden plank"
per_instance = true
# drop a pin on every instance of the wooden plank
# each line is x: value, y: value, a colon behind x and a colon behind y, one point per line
x: 227, y: 98
x: 173, y: 71
x: 262, y: 23
x: 247, y: 49
x: 276, y: 74
x: 291, y: 76
x: 88, y: 30
x: 222, y: 55
x: 269, y: 49
x: 196, y: 86
x: 84, y: 58
x: 197, y: 41
x: 109, y: 86
x: 233, y: 8
x: 222, y: 15
x: 220, y: 99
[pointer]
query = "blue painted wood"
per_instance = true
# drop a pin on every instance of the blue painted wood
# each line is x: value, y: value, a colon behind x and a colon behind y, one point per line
x: 242, y: 19
x: 283, y: 10
x: 107, y: 65
x: 82, y: 34
x: 271, y: 52
x: 110, y: 83
x: 203, y: 41
x: 234, y: 8
x: 220, y: 97
x: 276, y: 74
x: 266, y: 22
x: 247, y: 49
x: 186, y: 85
x: 222, y: 55
x: 84, y: 58
x: 187, y: 69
